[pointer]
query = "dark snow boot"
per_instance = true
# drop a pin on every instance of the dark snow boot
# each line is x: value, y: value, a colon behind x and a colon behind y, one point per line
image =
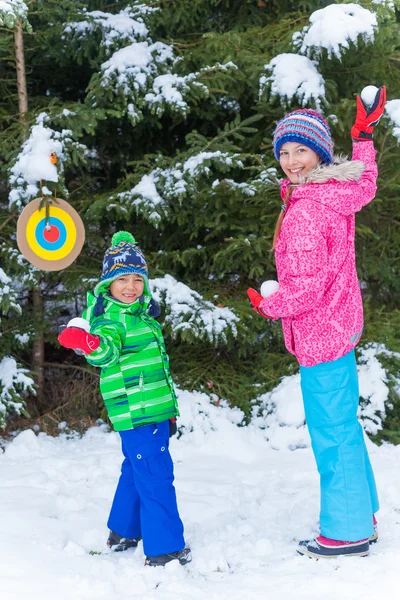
x: 323, y: 547
x: 184, y: 556
x: 117, y: 543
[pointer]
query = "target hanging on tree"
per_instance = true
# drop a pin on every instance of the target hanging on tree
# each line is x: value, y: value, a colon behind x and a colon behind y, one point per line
x: 51, y: 235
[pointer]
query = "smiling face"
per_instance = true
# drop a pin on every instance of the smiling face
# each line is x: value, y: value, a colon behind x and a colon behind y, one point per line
x: 127, y: 288
x: 297, y: 160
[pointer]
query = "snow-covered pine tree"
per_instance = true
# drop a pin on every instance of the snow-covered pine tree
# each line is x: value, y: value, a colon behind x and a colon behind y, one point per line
x: 171, y: 108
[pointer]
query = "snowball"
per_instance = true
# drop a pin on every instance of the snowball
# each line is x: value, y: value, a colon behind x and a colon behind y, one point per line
x: 368, y: 94
x: 269, y: 287
x: 81, y: 323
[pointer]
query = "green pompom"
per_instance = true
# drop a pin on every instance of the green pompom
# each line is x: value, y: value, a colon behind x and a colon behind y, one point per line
x: 122, y: 236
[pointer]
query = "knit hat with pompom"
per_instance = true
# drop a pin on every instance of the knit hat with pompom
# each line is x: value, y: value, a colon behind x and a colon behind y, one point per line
x: 307, y: 127
x: 122, y: 258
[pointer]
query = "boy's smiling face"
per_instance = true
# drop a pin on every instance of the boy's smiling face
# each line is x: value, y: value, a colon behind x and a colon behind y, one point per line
x: 127, y: 288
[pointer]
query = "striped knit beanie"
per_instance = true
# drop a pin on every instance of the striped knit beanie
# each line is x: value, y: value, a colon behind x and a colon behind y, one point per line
x: 307, y: 127
x: 124, y: 257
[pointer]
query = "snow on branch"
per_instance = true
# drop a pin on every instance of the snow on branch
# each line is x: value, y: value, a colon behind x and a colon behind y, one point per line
x: 190, y: 315
x: 12, y: 11
x: 334, y: 27
x: 33, y: 163
x: 293, y: 76
x: 8, y: 297
x: 14, y: 382
x: 393, y: 110
x: 154, y: 190
x: 125, y: 26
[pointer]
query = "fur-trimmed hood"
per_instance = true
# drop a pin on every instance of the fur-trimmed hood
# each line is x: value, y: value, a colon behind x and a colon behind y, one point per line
x: 341, y: 169
x: 329, y: 185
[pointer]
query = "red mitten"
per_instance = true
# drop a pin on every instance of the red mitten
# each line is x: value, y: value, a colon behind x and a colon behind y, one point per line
x: 368, y: 116
x: 255, y: 299
x: 76, y: 338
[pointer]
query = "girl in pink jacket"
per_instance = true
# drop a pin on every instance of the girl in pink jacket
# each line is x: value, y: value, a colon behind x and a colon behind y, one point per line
x: 319, y: 302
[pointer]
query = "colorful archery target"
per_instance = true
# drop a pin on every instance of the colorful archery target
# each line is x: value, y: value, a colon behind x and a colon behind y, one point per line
x: 52, y: 243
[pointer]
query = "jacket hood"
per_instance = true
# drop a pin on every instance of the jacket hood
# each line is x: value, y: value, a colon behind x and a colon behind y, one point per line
x: 340, y: 171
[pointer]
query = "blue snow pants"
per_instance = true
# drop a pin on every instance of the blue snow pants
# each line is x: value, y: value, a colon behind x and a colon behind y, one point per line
x: 348, y: 490
x: 145, y: 501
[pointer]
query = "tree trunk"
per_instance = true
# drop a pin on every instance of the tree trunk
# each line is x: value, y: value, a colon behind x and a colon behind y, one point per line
x: 37, y: 299
x: 21, y: 79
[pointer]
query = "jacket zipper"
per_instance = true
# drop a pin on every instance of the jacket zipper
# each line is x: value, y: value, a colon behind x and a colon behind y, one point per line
x: 142, y: 405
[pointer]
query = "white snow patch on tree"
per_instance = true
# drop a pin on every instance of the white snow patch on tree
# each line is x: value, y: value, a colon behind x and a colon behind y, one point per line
x: 14, y: 381
x: 188, y: 313
x: 127, y: 25
x: 8, y: 296
x: 293, y: 76
x: 12, y: 11
x: 155, y: 189
x: 393, y: 110
x: 33, y: 164
x: 334, y: 27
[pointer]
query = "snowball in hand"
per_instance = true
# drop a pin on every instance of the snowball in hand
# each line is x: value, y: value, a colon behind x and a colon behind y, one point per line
x: 269, y: 287
x: 81, y: 323
x: 368, y: 94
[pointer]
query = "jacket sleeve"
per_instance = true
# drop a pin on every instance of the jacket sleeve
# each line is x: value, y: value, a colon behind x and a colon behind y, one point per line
x: 351, y: 196
x: 306, y: 269
x: 112, y: 335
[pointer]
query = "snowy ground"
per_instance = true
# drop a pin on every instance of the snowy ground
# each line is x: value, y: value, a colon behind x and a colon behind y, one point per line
x: 243, y: 502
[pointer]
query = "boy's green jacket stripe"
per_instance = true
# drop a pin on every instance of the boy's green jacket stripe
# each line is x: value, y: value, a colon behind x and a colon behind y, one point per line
x: 135, y: 379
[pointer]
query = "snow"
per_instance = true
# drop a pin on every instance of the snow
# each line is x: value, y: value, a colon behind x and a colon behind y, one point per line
x: 294, y: 76
x: 393, y: 110
x: 177, y: 181
x: 368, y: 94
x: 33, y: 163
x: 244, y: 505
x: 334, y: 27
x: 188, y: 311
x: 114, y: 27
x: 13, y: 379
x: 11, y: 11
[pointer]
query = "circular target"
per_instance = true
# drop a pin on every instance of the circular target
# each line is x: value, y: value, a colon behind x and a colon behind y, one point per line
x: 50, y: 244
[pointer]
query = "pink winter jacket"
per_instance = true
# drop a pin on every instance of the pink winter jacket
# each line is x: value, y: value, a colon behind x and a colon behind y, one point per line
x: 319, y: 297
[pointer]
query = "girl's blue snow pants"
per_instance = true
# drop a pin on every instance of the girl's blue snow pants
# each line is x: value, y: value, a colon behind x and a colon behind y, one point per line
x: 145, y: 500
x: 348, y: 491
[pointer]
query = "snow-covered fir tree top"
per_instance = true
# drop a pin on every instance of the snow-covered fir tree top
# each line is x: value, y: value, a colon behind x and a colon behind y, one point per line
x: 12, y: 11
x: 294, y: 76
x: 33, y: 163
x: 334, y: 27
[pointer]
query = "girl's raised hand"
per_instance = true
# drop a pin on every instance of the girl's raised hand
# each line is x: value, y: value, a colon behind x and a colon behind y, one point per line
x: 368, y: 117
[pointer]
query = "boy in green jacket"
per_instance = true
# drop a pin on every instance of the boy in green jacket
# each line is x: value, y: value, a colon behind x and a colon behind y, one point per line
x: 120, y: 335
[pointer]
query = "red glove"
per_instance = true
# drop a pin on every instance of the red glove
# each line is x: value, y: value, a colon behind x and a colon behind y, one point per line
x: 255, y: 299
x: 79, y: 339
x: 368, y: 116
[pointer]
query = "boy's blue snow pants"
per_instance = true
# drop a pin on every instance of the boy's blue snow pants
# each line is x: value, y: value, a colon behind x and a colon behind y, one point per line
x: 145, y: 500
x: 348, y: 491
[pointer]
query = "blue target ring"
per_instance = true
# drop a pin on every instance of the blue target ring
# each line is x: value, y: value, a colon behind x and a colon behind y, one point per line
x: 40, y: 234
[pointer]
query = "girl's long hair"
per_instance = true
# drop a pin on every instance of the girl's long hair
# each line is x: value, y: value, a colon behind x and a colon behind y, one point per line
x: 281, y: 216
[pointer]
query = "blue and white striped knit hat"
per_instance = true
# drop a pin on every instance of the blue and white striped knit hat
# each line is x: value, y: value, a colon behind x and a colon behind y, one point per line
x: 307, y: 127
x: 122, y: 258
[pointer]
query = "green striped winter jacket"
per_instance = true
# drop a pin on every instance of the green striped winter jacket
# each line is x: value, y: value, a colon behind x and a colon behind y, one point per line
x: 135, y: 379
